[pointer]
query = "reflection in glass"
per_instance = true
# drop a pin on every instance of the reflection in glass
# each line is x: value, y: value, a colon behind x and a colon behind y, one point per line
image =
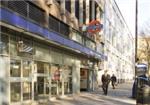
x: 26, y: 68
x: 15, y: 68
x: 15, y: 91
x: 4, y: 44
x: 42, y: 67
x: 26, y: 90
x: 67, y: 79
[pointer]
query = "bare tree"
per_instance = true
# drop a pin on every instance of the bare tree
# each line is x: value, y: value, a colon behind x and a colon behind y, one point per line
x: 144, y: 44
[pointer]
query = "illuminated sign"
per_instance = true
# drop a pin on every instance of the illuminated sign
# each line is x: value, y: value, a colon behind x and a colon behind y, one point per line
x: 94, y: 26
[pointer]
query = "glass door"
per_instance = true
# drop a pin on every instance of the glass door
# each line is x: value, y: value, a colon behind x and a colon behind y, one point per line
x: 67, y: 71
x: 41, y: 86
x: 20, y: 82
x: 56, y: 82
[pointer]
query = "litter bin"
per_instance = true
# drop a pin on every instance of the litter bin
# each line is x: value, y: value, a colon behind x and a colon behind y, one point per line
x: 143, y: 92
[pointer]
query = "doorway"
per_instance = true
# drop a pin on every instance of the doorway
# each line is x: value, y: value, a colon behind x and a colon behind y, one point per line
x: 41, y: 85
x: 83, y: 79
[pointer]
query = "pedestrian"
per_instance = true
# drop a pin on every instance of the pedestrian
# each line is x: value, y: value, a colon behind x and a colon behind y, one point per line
x: 113, y: 81
x: 105, y: 81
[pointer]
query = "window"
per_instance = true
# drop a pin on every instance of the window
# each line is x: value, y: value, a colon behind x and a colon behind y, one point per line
x: 68, y: 5
x: 15, y: 89
x: 58, y: 1
x: 90, y: 44
x: 84, y: 12
x: 76, y: 37
x: 26, y: 90
x: 4, y: 44
x: 67, y: 71
x: 90, y: 10
x: 42, y: 67
x: 96, y: 6
x: 15, y: 68
x: 26, y: 68
x: 77, y: 9
x: 36, y: 14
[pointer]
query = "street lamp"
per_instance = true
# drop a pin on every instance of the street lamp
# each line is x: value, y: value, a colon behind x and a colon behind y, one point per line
x: 136, y: 34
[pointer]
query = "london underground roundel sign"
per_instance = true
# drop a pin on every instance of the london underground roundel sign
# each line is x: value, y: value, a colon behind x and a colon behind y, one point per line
x: 94, y: 26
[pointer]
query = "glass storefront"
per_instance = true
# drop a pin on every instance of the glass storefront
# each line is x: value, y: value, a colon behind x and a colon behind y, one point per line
x: 4, y: 41
x: 68, y: 79
x: 61, y: 82
x: 26, y: 90
x: 15, y: 88
x: 32, y: 75
x: 27, y: 68
x: 15, y: 68
x: 41, y: 85
x: 55, y: 80
x: 20, y: 85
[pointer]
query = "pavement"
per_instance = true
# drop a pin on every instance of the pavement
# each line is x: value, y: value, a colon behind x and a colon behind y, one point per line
x: 119, y: 96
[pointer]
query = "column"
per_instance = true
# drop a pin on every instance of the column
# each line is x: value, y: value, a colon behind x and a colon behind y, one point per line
x: 76, y: 77
x: 62, y: 6
x: 72, y: 9
x: 80, y: 12
x: 87, y: 11
x: 93, y: 9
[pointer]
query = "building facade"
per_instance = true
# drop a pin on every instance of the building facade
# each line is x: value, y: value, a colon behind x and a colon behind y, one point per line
x: 119, y: 43
x: 44, y: 53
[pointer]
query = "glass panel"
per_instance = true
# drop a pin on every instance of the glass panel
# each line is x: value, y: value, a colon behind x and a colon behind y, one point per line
x: 40, y: 67
x: 26, y: 90
x: 76, y: 36
x: 67, y: 79
x: 4, y: 44
x: 15, y: 66
x: 43, y: 67
x: 15, y: 89
x: 13, y: 45
x: 55, y: 77
x: 27, y: 68
x: 40, y: 85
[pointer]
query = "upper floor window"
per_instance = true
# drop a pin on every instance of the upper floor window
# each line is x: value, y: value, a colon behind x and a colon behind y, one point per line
x: 68, y: 5
x: 84, y: 11
x: 77, y: 9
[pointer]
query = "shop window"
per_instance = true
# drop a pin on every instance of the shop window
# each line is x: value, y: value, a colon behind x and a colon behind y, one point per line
x: 27, y: 68
x: 67, y: 79
x: 42, y: 67
x: 4, y: 44
x: 15, y: 68
x: 26, y: 90
x: 55, y: 76
x: 15, y: 89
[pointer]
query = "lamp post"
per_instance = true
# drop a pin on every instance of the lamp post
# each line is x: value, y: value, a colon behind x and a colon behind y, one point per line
x: 136, y: 34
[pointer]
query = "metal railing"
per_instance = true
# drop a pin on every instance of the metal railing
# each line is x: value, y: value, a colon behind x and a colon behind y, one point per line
x: 35, y: 14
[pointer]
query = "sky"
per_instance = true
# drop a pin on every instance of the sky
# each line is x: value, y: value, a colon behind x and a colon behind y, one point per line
x: 127, y: 8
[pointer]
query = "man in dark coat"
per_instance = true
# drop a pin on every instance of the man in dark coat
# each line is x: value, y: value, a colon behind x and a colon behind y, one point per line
x: 113, y: 81
x: 105, y: 81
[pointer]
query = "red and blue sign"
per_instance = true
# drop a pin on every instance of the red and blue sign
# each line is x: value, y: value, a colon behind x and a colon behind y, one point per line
x: 94, y: 26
